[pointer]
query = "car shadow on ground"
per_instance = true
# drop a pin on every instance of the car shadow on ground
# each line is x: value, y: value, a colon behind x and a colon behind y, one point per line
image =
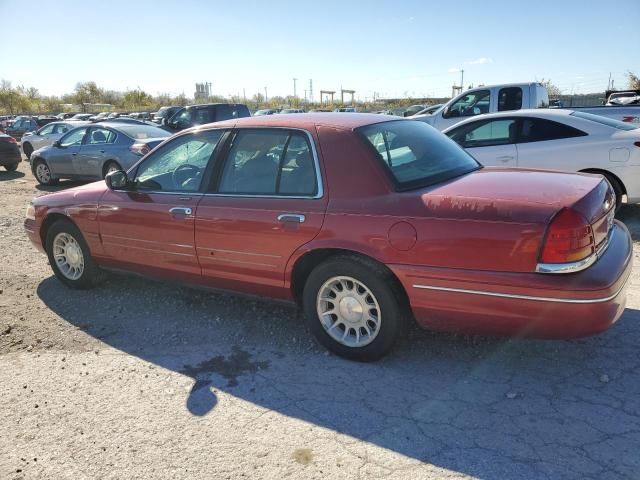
x: 6, y: 175
x: 490, y: 408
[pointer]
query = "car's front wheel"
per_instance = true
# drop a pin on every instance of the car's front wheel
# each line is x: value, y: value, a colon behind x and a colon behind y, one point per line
x: 42, y: 173
x: 354, y: 308
x: 70, y: 258
x: 110, y: 167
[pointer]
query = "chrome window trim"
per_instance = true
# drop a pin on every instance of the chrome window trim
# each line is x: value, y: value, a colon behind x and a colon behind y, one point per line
x: 316, y: 162
x: 580, y: 264
x: 528, y: 297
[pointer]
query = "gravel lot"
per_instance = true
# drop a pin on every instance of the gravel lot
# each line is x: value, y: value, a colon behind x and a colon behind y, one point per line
x: 145, y: 380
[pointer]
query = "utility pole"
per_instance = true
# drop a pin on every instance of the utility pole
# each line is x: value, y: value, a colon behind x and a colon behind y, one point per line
x: 311, y: 91
x: 266, y: 98
x: 295, y: 93
x: 609, y: 82
x: 244, y: 94
x: 462, y: 80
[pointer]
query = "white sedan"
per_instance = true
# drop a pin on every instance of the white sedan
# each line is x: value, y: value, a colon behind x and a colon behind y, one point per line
x: 556, y: 139
x: 47, y: 135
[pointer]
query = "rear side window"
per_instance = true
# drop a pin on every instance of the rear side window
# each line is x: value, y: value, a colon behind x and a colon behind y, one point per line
x: 539, y: 130
x: 509, y: 99
x: 486, y: 133
x: 228, y: 112
x: 416, y: 154
x: 99, y: 136
x: 269, y: 162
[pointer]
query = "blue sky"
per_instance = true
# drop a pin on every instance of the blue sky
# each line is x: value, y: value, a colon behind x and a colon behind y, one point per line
x: 394, y: 48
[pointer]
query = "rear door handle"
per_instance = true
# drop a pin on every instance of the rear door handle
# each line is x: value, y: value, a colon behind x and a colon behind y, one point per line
x: 180, y: 211
x: 291, y: 217
x: 506, y: 158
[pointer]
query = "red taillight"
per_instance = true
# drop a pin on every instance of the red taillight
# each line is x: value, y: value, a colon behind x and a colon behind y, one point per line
x: 569, y: 238
x: 629, y: 118
x: 140, y: 149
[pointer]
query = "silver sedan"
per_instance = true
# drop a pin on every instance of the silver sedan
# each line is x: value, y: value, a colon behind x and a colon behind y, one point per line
x: 46, y: 135
x: 90, y: 152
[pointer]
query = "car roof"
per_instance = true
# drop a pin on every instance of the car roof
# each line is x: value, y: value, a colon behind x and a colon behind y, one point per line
x: 305, y: 120
x: 550, y: 113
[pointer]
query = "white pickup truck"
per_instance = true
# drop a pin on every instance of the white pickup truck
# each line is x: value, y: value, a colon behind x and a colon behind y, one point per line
x: 513, y: 96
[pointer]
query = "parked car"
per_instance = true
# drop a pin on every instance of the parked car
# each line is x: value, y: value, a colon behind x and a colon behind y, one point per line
x: 384, y: 112
x: 163, y: 115
x: 412, y: 110
x: 194, y: 115
x: 9, y: 152
x: 345, y: 109
x: 430, y: 109
x: 24, y: 124
x: 100, y: 116
x: 91, y: 151
x: 266, y: 111
x: 83, y: 117
x: 622, y: 97
x: 46, y: 135
x: 66, y: 115
x: 367, y: 222
x: 570, y: 140
x: 291, y: 110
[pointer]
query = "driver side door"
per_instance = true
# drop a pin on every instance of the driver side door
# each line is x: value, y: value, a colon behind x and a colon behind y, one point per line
x: 61, y: 157
x: 150, y: 226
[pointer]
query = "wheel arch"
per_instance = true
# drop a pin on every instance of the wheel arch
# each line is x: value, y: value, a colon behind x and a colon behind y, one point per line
x: 48, y: 221
x: 106, y: 164
x: 305, y: 264
x: 607, y: 174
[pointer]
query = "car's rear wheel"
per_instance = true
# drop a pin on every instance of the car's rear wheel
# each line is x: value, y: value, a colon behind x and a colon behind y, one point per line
x: 42, y: 173
x: 11, y: 168
x: 27, y: 149
x: 70, y: 258
x: 111, y: 166
x: 353, y: 307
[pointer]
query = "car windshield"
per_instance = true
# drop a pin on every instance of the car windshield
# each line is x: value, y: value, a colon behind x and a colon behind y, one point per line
x: 141, y: 132
x: 416, y: 154
x: 610, y: 122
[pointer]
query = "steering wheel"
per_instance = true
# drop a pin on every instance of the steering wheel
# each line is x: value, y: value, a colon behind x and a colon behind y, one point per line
x: 184, y: 173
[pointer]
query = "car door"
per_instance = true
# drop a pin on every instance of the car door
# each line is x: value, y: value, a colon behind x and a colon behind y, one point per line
x: 60, y: 157
x: 547, y: 144
x: 91, y: 157
x: 150, y: 226
x: 491, y: 142
x: 265, y: 202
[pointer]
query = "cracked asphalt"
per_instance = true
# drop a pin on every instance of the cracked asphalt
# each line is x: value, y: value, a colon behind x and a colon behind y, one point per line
x: 146, y: 380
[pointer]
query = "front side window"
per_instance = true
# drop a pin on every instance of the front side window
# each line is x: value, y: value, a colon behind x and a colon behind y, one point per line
x: 60, y: 129
x: 46, y: 130
x: 509, y: 99
x: 100, y: 136
x: 485, y: 133
x: 179, y: 165
x: 416, y: 154
x: 269, y: 162
x: 539, y: 130
x: 473, y: 103
x: 74, y: 137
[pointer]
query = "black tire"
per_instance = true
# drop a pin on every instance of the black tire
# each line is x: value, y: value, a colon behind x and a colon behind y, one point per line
x: 110, y: 164
x: 393, y: 314
x: 43, y: 180
x: 91, y: 274
x: 27, y: 149
x: 11, y: 168
x: 618, y: 189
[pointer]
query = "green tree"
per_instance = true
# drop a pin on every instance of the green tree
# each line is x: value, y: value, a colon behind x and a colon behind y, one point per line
x: 134, y: 99
x: 634, y: 81
x: 87, y: 92
x: 552, y: 88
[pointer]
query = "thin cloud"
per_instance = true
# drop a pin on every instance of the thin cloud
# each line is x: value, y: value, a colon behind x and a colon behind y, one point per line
x: 479, y: 61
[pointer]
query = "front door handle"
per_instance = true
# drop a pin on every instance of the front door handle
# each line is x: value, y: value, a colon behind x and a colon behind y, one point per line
x: 180, y: 211
x: 506, y: 158
x: 291, y: 217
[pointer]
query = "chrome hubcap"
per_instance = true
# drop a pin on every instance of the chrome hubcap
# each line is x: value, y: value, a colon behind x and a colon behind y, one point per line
x: 112, y: 168
x: 43, y: 173
x: 348, y: 311
x: 68, y: 256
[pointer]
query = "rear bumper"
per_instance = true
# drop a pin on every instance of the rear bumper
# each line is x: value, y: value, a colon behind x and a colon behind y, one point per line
x: 523, y: 304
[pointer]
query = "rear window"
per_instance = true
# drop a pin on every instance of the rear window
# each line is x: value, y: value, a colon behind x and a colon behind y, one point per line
x: 141, y: 132
x: 609, y: 122
x: 415, y: 154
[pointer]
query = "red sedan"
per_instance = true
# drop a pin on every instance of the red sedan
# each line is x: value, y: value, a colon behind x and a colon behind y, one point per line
x: 367, y: 223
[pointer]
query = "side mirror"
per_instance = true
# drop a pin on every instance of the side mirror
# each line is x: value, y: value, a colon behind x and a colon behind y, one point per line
x: 56, y: 144
x: 117, y: 180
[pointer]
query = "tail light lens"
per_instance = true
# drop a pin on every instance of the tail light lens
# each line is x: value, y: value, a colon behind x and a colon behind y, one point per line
x: 569, y: 238
x: 629, y: 118
x: 140, y: 149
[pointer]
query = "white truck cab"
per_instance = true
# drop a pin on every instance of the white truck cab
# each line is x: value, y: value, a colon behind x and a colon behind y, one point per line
x: 489, y: 99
